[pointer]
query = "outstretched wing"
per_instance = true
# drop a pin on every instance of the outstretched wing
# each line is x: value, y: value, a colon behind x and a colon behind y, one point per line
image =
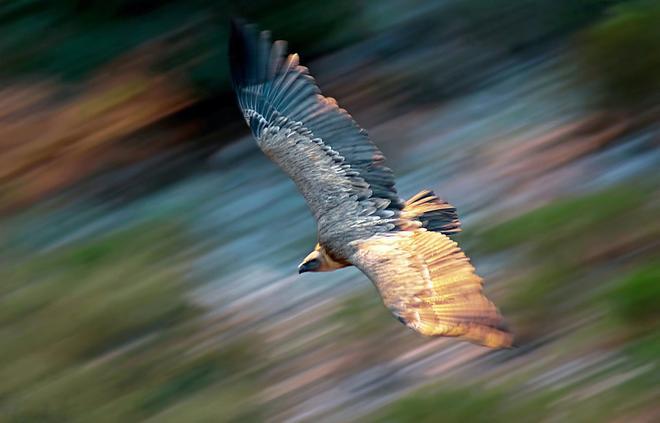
x: 429, y: 284
x: 319, y: 145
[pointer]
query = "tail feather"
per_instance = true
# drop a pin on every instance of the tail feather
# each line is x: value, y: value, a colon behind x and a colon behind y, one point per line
x: 435, y: 214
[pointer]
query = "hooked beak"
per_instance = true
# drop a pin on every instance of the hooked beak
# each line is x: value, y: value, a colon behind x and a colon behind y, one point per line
x: 302, y: 268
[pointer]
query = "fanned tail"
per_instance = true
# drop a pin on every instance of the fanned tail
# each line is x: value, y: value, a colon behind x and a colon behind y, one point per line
x: 435, y: 214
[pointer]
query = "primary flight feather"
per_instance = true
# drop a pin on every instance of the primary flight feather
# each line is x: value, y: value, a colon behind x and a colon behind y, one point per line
x: 422, y: 275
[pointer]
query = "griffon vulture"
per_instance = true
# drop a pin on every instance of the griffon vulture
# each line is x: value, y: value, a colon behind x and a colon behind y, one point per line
x: 422, y: 275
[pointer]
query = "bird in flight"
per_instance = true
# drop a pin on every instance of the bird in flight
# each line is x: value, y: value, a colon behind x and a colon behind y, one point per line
x: 423, y: 277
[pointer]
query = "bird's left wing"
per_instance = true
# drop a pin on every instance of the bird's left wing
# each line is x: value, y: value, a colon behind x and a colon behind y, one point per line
x: 429, y: 284
x: 319, y: 145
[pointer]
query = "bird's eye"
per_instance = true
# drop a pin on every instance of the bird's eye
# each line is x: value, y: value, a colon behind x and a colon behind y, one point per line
x: 310, y: 266
x: 314, y: 263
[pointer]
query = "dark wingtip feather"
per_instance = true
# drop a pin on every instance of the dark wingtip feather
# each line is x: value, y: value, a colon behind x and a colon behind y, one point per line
x: 237, y: 50
x: 271, y: 84
x: 250, y: 54
x: 243, y: 51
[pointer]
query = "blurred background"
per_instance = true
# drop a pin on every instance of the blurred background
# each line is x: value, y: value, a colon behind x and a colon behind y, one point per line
x: 148, y: 250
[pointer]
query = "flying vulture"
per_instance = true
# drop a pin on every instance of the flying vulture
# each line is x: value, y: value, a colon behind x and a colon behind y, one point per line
x: 423, y: 277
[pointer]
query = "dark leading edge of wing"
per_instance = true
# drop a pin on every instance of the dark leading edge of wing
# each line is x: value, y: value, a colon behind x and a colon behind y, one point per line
x: 281, y: 91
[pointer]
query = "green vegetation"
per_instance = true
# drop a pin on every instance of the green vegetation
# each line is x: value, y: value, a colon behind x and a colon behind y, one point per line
x: 612, y: 42
x: 506, y: 404
x: 515, y: 24
x: 459, y: 405
x: 569, y: 248
x: 635, y: 297
x: 103, y: 331
x: 621, y: 52
x: 571, y: 223
x: 450, y: 406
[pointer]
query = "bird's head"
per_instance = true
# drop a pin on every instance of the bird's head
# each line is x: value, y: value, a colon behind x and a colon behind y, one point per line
x: 318, y: 261
x: 312, y: 263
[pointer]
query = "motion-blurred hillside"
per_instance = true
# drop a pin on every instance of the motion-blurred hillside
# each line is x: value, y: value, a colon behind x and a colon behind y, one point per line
x: 148, y: 250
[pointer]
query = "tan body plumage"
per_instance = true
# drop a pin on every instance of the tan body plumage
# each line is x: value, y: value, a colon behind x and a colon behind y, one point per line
x: 403, y: 247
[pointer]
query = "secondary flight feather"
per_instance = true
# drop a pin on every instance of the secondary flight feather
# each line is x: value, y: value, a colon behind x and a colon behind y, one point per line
x: 423, y: 277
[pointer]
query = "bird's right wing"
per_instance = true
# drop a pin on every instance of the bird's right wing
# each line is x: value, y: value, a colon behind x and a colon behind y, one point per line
x: 429, y: 284
x: 319, y: 145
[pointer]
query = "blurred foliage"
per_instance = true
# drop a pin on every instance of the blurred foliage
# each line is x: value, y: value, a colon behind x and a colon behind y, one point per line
x: 621, y: 52
x: 70, y: 38
x: 564, y: 246
x: 516, y: 24
x: 479, y: 404
x: 635, y: 298
x: 86, y: 339
x: 559, y: 222
x: 105, y: 329
x: 460, y: 405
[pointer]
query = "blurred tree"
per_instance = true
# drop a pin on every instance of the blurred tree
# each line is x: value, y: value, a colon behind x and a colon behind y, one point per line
x: 514, y: 24
x: 635, y: 298
x: 621, y: 52
x: 71, y: 38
